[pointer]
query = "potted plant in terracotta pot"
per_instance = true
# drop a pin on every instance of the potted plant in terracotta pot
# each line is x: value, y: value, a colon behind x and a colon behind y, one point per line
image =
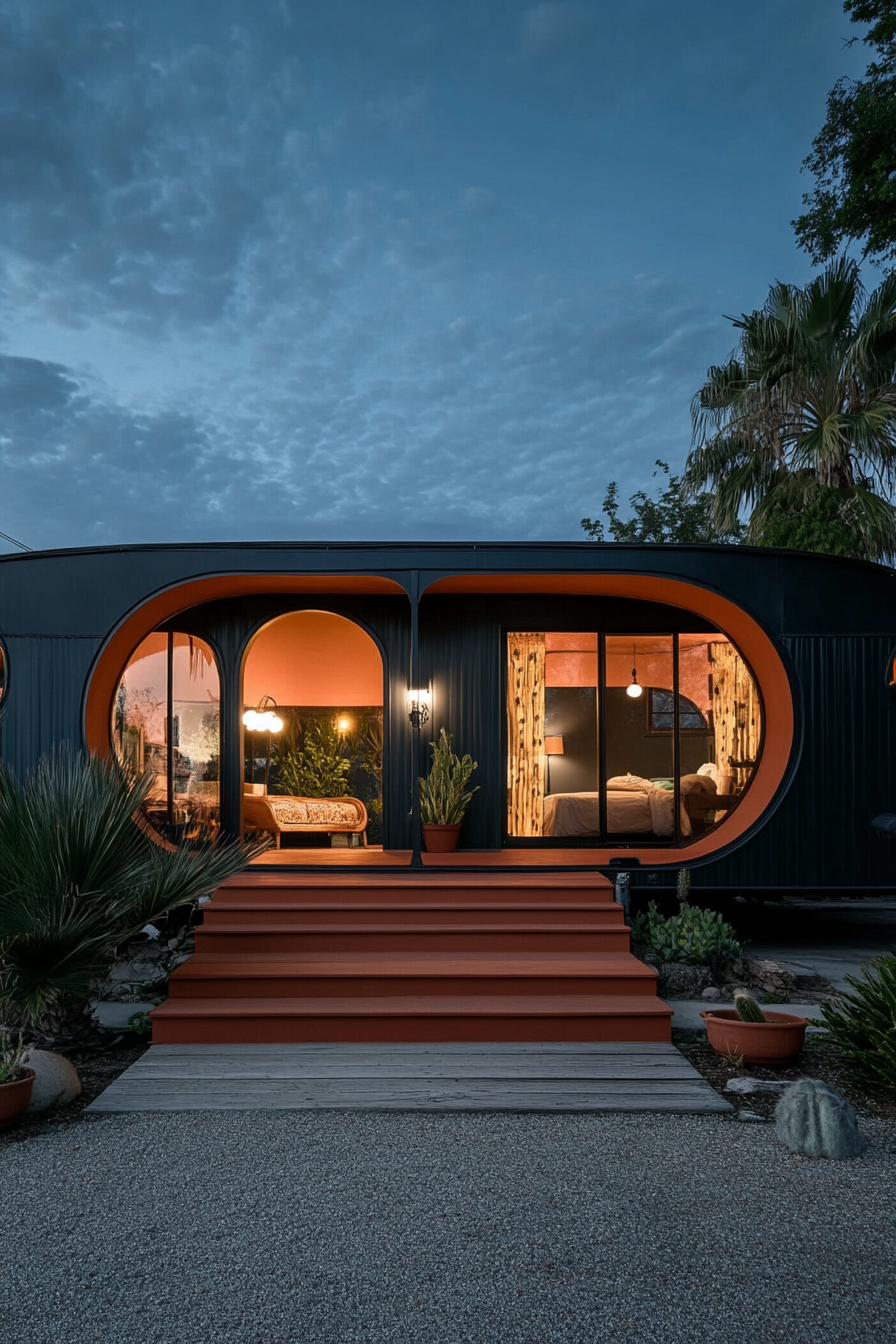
x: 444, y: 796
x: 752, y: 1035
x: 16, y: 1081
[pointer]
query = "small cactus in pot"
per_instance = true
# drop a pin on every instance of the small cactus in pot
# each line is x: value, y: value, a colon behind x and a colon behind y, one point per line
x: 748, y: 1009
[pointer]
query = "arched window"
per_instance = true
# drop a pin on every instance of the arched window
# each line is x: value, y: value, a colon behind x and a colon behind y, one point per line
x: 166, y: 722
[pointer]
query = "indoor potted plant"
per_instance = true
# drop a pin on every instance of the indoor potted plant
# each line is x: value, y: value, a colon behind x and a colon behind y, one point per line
x: 748, y: 1033
x: 444, y: 796
x: 16, y: 1081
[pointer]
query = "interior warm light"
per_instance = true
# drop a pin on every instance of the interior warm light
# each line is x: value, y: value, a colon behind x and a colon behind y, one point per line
x: 261, y: 719
x: 343, y: 724
x: 634, y: 690
x: 553, y: 746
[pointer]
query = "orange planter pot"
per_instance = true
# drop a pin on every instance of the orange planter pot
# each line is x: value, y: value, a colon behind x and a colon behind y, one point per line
x: 778, y: 1039
x: 14, y: 1097
x: 440, y: 839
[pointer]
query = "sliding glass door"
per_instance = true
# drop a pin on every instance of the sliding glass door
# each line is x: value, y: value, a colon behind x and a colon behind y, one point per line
x: 618, y: 738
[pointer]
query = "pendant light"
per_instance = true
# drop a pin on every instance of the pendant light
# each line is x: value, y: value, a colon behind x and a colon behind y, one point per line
x: 635, y: 689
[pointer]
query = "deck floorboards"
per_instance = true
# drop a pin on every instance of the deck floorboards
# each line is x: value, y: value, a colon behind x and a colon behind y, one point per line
x: 555, y: 1077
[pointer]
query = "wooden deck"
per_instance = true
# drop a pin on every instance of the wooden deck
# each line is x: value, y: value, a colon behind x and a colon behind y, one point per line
x: 497, y: 1076
x: 374, y: 856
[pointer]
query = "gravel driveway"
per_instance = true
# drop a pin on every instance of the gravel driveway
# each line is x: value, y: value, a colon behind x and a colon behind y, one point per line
x: 275, y: 1227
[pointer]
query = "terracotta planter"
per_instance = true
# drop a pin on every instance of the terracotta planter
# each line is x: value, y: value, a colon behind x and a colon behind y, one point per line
x: 774, y: 1041
x: 14, y: 1097
x: 440, y: 839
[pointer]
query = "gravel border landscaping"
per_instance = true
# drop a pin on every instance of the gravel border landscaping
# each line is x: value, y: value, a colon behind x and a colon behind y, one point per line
x: 287, y: 1227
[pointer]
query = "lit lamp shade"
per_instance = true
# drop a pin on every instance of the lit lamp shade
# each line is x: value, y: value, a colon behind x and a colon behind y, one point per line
x: 553, y: 746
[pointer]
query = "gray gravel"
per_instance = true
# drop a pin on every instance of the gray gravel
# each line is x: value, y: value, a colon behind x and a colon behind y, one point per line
x: 277, y: 1227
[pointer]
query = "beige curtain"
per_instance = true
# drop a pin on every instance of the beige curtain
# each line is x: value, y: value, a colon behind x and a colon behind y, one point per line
x: 525, y: 733
x: 736, y: 714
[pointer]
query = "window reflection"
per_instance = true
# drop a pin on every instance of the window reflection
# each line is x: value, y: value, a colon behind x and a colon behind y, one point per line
x: 166, y: 722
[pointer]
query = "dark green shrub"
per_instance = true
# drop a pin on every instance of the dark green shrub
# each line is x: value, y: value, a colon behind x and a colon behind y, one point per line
x: 696, y: 937
x: 863, y: 1025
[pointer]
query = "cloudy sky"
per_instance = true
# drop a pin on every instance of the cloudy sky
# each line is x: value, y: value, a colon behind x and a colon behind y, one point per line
x: 411, y: 269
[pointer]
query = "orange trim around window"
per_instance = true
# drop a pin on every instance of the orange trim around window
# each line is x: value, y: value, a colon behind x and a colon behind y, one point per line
x: 731, y: 620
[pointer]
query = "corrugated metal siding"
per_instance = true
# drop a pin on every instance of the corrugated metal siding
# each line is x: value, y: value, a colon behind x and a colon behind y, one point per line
x: 46, y: 683
x: 820, y: 835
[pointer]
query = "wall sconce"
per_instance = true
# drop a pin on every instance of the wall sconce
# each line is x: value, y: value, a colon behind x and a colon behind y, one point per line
x: 343, y: 724
x: 418, y: 707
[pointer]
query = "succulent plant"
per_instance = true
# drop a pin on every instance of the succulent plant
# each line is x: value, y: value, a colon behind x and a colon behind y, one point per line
x: 748, y: 1009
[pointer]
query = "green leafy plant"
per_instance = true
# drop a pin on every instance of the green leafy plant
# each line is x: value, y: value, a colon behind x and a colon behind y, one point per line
x: 12, y: 1055
x: 863, y: 1025
x: 748, y: 1009
x: 318, y: 767
x: 444, y: 796
x: 696, y: 937
x: 79, y: 877
x: 139, y: 1024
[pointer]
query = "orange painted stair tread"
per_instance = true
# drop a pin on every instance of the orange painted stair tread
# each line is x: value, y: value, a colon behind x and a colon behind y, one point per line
x: 355, y: 957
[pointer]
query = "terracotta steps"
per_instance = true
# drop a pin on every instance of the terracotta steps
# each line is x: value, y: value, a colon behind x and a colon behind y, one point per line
x: 567, y: 1017
x: 287, y: 957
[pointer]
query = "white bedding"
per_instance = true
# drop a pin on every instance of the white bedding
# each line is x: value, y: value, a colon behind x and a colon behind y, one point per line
x: 636, y: 808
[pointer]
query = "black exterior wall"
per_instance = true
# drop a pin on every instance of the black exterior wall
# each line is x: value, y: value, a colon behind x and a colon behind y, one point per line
x: 833, y: 623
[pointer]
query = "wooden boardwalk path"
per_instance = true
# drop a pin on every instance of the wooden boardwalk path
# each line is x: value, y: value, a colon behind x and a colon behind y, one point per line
x: 501, y: 1076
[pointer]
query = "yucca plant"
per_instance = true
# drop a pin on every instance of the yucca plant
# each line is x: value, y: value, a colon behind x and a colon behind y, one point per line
x: 863, y: 1025
x: 444, y: 796
x: 79, y: 877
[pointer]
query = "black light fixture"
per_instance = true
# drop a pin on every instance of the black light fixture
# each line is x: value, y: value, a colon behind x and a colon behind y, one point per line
x: 418, y: 707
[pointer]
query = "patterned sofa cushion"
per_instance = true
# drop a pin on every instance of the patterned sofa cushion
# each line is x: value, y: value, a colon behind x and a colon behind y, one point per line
x: 314, y: 811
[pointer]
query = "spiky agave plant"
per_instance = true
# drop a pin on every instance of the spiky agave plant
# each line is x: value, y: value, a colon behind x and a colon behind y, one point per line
x: 79, y: 876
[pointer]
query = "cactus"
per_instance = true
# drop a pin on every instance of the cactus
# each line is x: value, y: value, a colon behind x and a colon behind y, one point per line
x: 748, y: 1009
x: 813, y: 1120
x: 684, y: 887
x: 695, y: 937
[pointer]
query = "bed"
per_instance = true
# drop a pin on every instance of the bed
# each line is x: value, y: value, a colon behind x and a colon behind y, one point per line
x: 635, y: 806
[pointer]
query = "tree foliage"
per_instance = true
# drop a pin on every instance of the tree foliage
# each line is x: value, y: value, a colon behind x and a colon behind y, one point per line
x: 853, y: 157
x: 799, y: 426
x: 668, y: 517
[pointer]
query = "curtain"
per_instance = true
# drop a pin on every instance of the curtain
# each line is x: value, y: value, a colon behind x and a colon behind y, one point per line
x: 525, y: 733
x: 736, y: 715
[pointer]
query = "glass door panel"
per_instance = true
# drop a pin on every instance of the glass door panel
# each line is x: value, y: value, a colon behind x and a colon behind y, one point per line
x: 640, y: 763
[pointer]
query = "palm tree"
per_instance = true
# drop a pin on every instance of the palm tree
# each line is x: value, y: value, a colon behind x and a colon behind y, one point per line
x: 79, y: 877
x: 799, y: 426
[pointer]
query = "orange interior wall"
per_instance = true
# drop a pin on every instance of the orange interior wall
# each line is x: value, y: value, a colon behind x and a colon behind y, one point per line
x: 313, y: 658
x: 571, y: 660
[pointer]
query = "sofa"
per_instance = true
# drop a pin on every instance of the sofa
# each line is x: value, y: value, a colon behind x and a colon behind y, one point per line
x: 281, y: 814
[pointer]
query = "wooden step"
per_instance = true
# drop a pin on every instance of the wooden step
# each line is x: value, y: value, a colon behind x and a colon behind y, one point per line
x: 453, y: 936
x: 431, y: 1017
x: 275, y: 975
x: 277, y: 888
x: 302, y: 913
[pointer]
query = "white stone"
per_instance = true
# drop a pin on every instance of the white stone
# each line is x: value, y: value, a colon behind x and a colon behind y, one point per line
x: 744, y: 1086
x: 710, y: 992
x: 56, y: 1082
x: 749, y: 1116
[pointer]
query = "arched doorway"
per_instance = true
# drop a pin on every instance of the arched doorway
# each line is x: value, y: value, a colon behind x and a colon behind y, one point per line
x: 312, y: 732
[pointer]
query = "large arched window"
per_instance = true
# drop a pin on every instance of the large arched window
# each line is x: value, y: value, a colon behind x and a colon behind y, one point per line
x: 166, y: 723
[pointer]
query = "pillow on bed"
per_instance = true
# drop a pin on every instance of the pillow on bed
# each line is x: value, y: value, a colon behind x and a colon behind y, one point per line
x: 630, y: 784
x: 697, y: 784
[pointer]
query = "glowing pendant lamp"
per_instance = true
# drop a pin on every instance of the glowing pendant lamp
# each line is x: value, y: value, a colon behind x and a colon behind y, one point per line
x: 635, y: 689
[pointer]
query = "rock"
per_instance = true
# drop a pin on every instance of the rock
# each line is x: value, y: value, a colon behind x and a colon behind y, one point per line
x: 814, y: 1120
x: 56, y: 1084
x: 749, y: 1116
x: 772, y: 976
x: 710, y: 992
x: 678, y: 981
x: 744, y: 1086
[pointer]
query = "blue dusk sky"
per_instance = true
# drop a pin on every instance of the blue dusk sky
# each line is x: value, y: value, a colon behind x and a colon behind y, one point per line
x: 382, y: 269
